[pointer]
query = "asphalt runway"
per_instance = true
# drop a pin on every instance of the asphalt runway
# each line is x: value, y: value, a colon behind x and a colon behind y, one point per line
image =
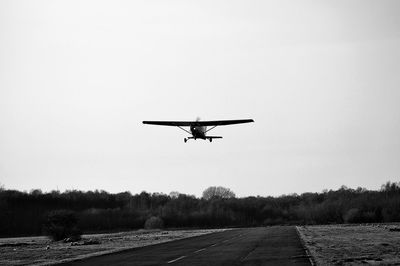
x: 276, y: 245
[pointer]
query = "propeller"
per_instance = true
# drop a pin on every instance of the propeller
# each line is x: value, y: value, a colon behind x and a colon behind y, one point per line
x: 198, y: 120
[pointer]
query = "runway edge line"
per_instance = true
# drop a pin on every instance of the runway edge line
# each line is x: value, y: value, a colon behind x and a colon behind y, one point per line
x: 310, y: 257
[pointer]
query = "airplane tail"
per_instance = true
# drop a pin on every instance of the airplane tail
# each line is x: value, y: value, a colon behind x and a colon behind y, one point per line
x: 210, y: 138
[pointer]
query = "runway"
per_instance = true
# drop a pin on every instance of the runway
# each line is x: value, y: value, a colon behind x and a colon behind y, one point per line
x: 276, y: 245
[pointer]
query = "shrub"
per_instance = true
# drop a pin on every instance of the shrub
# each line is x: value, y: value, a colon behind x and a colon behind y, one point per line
x: 61, y: 224
x: 154, y: 223
x: 352, y: 216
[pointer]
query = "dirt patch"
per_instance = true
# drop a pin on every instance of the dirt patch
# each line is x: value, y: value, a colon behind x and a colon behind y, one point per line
x: 374, y: 244
x: 42, y: 251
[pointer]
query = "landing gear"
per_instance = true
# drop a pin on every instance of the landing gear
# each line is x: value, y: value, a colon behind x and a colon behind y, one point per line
x: 185, y: 140
x: 210, y: 139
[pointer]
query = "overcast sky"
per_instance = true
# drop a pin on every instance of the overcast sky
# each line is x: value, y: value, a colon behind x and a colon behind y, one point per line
x: 321, y: 79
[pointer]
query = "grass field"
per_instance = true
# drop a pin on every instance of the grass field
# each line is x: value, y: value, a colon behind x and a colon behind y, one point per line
x: 375, y: 244
x: 42, y: 251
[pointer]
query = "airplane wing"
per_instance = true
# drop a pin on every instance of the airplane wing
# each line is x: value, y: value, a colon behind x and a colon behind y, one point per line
x: 223, y: 122
x: 170, y: 123
x: 198, y: 123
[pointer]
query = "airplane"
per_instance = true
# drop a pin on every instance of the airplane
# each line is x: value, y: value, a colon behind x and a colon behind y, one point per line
x: 198, y: 129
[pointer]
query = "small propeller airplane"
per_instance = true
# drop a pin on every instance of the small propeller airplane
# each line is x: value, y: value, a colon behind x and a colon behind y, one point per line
x: 198, y: 129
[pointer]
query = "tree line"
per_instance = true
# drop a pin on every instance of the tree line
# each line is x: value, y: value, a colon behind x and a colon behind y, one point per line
x: 23, y: 213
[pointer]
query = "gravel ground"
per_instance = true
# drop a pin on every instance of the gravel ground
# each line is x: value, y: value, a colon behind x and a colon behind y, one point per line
x: 374, y: 244
x: 42, y: 251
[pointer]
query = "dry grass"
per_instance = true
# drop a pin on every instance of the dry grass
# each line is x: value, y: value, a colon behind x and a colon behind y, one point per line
x: 353, y: 244
x: 42, y: 251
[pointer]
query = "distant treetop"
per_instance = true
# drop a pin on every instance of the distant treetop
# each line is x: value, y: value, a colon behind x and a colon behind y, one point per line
x: 218, y: 192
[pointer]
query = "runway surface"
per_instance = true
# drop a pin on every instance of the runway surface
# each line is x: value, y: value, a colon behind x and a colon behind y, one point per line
x: 276, y: 245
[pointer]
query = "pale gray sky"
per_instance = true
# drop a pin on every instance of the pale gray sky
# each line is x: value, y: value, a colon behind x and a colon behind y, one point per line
x: 320, y: 78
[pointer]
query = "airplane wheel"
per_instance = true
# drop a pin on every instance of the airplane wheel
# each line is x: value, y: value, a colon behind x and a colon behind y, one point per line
x: 210, y: 140
x: 185, y: 140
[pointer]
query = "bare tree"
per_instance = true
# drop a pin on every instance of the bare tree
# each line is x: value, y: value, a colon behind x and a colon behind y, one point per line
x: 174, y: 194
x: 218, y: 192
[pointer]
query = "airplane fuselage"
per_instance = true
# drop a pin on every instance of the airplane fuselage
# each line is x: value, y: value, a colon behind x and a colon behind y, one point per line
x: 198, y: 132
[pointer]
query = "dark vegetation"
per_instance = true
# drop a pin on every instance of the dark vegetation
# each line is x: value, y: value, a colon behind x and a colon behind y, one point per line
x: 35, y: 213
x: 62, y: 224
x: 154, y: 223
